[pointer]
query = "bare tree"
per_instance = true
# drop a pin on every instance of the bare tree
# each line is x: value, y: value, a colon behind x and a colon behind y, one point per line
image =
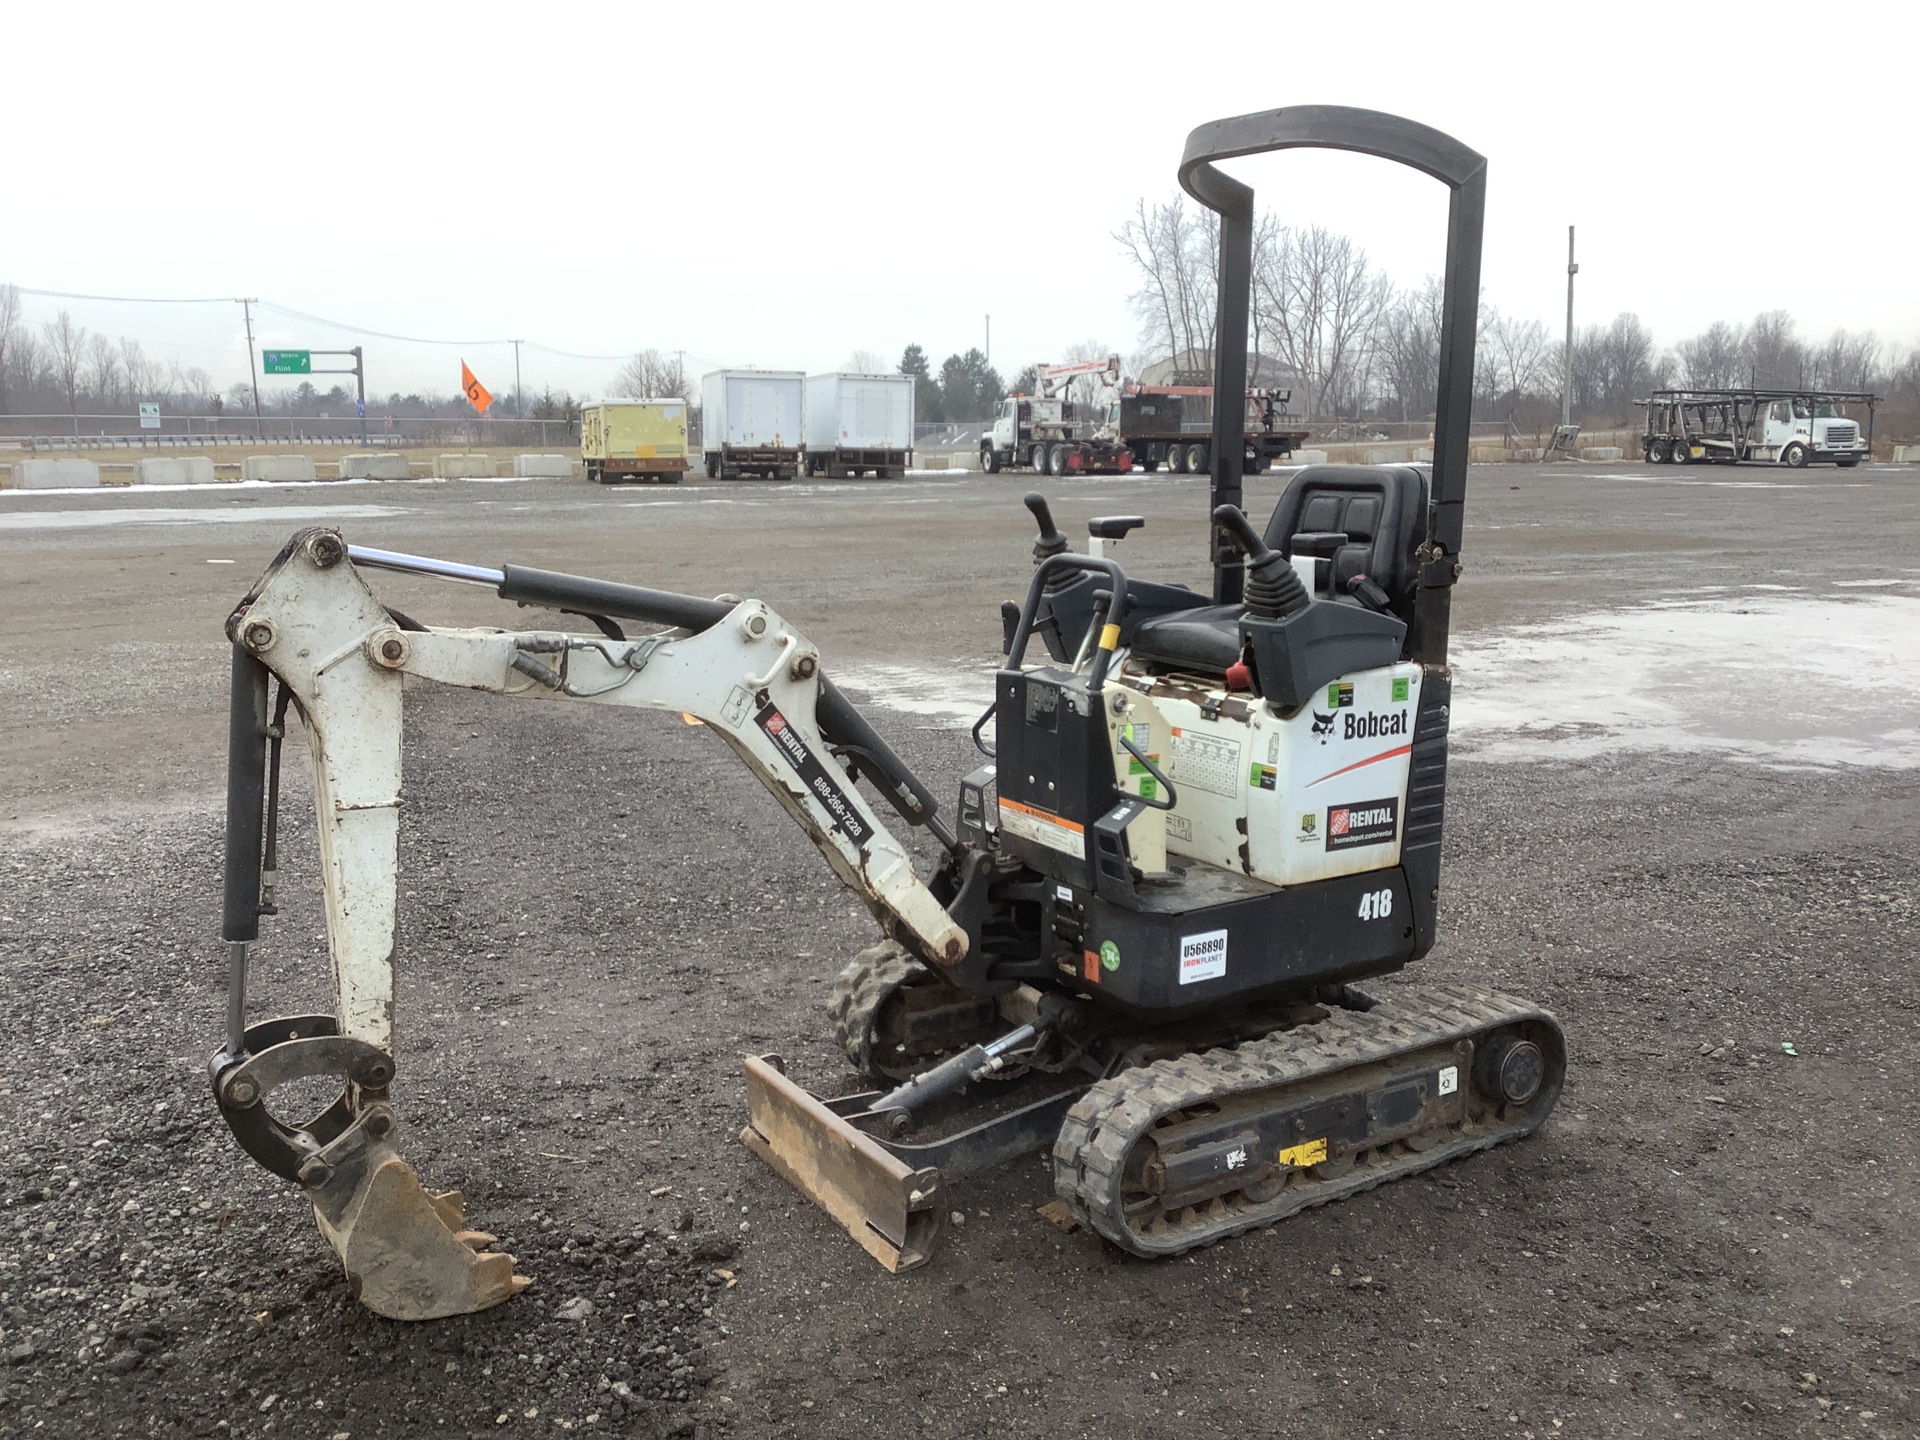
x: 866, y: 362
x: 1846, y: 362
x: 1514, y: 359
x: 66, y: 346
x: 144, y: 376
x: 103, y: 370
x: 1407, y: 345
x: 196, y: 387
x: 1774, y: 354
x: 649, y: 375
x: 9, y: 324
x: 1713, y: 359
x: 1321, y: 301
x: 1176, y: 252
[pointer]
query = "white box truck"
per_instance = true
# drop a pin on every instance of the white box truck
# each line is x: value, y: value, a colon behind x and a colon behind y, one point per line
x: 750, y: 423
x: 859, y: 423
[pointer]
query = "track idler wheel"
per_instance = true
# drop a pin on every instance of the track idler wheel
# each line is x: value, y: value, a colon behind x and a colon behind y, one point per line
x: 408, y: 1254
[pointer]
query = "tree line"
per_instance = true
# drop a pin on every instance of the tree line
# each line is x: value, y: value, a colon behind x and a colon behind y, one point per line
x: 1361, y: 347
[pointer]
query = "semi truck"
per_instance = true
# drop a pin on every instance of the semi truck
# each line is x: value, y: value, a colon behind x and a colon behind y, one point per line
x: 750, y: 423
x: 1051, y: 434
x: 1174, y: 423
x: 1774, y: 427
x: 634, y: 440
x: 855, y: 424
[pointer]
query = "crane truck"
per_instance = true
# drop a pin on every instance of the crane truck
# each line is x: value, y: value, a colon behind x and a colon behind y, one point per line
x: 1049, y: 433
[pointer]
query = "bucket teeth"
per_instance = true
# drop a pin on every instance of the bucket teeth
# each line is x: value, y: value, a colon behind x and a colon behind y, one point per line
x: 408, y: 1254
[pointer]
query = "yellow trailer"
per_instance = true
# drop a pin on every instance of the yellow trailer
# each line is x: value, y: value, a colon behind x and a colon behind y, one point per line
x: 634, y: 440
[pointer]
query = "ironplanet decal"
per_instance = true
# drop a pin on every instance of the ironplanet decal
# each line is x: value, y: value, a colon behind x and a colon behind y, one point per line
x: 1367, y: 822
x: 841, y: 812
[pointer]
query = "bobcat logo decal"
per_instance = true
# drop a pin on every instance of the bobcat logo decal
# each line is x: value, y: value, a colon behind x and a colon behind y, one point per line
x: 1323, y: 726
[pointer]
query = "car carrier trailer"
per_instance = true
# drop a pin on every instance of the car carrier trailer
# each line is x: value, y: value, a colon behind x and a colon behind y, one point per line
x: 1774, y: 427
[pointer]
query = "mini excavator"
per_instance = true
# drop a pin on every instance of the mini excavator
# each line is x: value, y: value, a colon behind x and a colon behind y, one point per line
x: 1202, y: 821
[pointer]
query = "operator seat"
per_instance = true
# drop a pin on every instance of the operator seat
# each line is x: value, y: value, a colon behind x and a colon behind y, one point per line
x: 1355, y: 519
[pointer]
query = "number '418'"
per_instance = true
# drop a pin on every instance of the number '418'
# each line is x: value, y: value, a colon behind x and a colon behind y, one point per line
x: 1376, y: 905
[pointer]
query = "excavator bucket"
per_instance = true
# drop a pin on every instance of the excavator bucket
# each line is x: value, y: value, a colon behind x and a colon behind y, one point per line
x: 896, y: 1213
x: 408, y: 1254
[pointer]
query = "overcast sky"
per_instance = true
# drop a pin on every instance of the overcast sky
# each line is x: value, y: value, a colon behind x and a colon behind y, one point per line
x: 782, y: 185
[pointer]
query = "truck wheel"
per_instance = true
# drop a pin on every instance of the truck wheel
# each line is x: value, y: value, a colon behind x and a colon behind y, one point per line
x: 713, y: 467
x: 989, y: 460
x: 1794, y: 455
x: 1656, y: 452
x: 1057, y: 460
x: 1176, y: 460
x: 1256, y: 465
x: 1678, y: 452
x: 1040, y: 459
x: 1196, y: 459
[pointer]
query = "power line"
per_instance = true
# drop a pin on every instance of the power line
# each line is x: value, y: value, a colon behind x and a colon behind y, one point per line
x: 313, y: 320
x: 363, y: 330
x: 135, y: 299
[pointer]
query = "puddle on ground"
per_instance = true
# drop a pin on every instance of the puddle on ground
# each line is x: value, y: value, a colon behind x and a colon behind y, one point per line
x: 1783, y: 679
x: 95, y: 519
x: 1778, y: 678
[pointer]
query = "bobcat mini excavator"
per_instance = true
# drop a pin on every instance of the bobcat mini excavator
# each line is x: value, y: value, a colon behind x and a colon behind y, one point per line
x: 1203, y: 819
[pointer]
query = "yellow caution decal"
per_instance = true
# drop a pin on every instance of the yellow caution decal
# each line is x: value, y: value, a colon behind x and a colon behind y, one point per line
x: 1311, y: 1153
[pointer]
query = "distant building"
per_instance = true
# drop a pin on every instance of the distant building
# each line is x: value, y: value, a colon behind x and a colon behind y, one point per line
x: 1195, y: 367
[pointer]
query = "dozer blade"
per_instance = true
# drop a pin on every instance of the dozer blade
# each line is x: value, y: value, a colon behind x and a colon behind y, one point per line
x: 896, y: 1213
x: 408, y: 1254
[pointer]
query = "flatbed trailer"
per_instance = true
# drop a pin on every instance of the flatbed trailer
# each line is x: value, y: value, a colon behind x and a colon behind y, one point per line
x: 1769, y: 427
x: 1174, y: 423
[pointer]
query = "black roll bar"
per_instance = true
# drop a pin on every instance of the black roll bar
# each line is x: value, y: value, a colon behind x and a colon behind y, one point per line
x: 1366, y: 132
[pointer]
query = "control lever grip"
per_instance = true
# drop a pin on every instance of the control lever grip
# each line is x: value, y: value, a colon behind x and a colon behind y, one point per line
x: 1051, y: 541
x: 1233, y: 520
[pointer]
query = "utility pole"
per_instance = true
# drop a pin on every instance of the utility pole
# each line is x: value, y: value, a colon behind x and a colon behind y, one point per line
x: 989, y: 339
x: 253, y: 374
x: 1566, y: 371
x: 360, y: 386
x: 519, y: 410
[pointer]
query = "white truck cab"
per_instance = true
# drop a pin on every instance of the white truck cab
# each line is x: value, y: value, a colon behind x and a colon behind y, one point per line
x: 1800, y: 429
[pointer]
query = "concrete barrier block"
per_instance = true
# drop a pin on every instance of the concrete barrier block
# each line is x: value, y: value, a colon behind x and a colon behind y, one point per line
x: 1601, y: 452
x: 1308, y: 457
x: 367, y: 466
x: 542, y: 467
x: 174, y: 470
x: 964, y: 460
x: 55, y: 474
x: 278, y: 468
x: 1906, y: 454
x: 464, y: 467
x: 1397, y: 455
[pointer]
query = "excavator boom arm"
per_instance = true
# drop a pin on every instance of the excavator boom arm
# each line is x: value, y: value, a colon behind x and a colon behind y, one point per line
x: 313, y: 625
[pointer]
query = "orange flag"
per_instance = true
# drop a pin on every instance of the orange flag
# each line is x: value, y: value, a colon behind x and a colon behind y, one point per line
x: 477, y: 395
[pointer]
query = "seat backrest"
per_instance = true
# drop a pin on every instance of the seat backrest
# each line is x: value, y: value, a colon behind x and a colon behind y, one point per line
x: 1382, y: 511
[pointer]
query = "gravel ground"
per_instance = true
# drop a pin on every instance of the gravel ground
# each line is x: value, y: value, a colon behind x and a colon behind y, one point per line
x: 601, y: 914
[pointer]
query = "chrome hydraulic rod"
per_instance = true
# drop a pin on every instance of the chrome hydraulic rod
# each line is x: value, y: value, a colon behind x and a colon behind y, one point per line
x: 424, y: 565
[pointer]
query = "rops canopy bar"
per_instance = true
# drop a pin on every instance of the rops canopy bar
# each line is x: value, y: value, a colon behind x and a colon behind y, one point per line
x: 1367, y: 132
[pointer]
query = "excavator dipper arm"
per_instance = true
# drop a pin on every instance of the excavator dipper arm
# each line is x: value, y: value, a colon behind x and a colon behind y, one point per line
x: 314, y: 627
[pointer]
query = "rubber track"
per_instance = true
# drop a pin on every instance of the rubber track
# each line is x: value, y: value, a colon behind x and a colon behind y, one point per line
x: 858, y: 992
x: 1090, y: 1155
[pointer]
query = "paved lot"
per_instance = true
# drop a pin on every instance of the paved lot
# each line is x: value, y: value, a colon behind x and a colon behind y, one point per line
x: 1685, y: 815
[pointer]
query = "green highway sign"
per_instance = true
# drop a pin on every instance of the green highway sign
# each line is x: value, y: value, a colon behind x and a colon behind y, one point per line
x: 287, y: 362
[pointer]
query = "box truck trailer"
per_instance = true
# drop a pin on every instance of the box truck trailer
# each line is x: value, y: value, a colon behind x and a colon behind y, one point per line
x: 859, y: 423
x: 750, y: 423
x: 634, y: 440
